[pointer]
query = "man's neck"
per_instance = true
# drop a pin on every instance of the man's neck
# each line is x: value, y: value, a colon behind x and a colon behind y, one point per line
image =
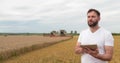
x: 93, y: 29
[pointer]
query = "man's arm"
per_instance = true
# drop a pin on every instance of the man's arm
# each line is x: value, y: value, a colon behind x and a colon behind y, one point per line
x: 108, y: 54
x: 106, y: 57
x: 78, y: 49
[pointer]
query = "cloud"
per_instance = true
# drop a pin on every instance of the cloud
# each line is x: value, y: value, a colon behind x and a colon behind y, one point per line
x: 53, y: 14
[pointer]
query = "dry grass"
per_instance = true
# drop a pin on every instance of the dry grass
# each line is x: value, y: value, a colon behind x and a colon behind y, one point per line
x: 60, y: 53
x: 12, y: 42
x: 15, y: 45
x: 116, y: 56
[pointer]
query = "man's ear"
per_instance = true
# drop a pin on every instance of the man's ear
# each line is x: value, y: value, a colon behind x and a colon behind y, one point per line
x: 99, y: 18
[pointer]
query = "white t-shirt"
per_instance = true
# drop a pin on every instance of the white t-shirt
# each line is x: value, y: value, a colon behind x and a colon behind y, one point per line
x: 101, y: 37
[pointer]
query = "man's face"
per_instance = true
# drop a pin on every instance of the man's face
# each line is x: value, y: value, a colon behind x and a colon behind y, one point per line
x: 92, y: 19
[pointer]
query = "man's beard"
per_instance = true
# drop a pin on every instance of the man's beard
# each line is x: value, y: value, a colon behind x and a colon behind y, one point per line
x: 93, y: 24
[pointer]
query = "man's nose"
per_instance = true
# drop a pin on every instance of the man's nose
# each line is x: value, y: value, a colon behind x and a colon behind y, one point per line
x: 90, y: 18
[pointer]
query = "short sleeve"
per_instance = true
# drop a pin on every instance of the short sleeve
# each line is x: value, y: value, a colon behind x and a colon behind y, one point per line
x: 80, y: 37
x: 109, y: 40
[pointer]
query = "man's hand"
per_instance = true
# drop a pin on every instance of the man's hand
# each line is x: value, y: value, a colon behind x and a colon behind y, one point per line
x: 78, y: 49
x: 93, y: 53
x: 106, y: 57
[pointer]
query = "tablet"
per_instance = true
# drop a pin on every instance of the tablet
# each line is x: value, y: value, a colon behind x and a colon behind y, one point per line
x: 91, y: 46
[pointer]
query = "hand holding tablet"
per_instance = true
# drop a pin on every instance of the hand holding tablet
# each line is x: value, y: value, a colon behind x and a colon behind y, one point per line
x: 91, y: 46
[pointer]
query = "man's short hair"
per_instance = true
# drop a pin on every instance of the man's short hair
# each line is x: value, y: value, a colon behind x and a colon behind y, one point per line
x: 96, y: 11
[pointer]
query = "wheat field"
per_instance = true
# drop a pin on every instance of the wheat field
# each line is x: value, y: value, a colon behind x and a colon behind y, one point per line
x: 19, y: 44
x: 14, y: 42
x: 60, y: 53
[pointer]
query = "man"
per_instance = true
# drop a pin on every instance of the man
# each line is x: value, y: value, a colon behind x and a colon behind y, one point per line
x: 95, y: 35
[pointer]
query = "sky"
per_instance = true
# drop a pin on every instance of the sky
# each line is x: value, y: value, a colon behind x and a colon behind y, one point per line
x: 44, y: 16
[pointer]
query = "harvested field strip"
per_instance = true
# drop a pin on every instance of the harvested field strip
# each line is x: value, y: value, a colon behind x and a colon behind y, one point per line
x: 8, y: 51
x: 60, y: 53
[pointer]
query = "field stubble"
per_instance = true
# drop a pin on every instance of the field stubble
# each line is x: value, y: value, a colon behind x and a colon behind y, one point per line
x: 60, y: 53
x: 15, y: 45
